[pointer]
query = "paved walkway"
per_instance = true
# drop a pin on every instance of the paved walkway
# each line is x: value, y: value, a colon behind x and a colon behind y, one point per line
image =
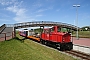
x: 81, y: 41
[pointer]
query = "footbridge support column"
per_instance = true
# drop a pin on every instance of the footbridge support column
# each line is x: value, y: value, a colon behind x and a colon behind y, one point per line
x: 14, y: 31
x: 41, y: 29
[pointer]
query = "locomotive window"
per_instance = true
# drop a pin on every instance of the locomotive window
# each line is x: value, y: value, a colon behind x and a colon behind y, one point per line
x: 47, y: 31
x: 52, y: 29
x: 64, y: 30
x: 59, y: 29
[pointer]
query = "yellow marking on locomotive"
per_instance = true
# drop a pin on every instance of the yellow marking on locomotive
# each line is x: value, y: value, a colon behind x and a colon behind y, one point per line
x: 35, y: 38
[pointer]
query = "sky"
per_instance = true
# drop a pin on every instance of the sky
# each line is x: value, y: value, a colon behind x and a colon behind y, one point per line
x: 17, y: 11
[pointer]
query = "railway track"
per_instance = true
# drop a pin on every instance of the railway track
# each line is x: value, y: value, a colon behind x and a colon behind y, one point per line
x: 81, y: 55
x: 74, y: 53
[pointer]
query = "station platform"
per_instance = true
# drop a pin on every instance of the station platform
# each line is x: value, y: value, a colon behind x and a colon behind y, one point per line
x: 81, y: 41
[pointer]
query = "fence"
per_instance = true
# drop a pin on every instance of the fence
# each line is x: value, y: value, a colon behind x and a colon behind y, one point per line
x: 6, y: 36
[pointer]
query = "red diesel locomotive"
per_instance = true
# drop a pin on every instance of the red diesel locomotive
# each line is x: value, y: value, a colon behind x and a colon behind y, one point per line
x: 53, y: 36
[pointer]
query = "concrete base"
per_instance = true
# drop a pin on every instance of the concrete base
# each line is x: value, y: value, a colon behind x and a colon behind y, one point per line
x: 82, y: 48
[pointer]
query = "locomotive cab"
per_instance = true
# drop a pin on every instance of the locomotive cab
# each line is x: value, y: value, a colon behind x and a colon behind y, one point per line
x: 64, y: 38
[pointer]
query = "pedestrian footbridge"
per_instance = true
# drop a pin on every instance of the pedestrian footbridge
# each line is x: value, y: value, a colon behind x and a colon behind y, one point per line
x: 9, y: 30
x: 42, y: 23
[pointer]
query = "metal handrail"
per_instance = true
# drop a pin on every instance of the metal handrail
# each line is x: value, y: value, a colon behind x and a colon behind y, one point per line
x: 44, y: 22
x: 2, y: 28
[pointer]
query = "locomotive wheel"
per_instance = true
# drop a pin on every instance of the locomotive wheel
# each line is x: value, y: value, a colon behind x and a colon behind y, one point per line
x: 70, y: 47
x: 55, y: 46
x: 62, y: 48
x: 41, y: 41
x: 45, y: 42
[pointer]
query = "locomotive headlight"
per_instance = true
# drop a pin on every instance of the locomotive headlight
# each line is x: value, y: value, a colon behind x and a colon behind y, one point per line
x: 63, y: 40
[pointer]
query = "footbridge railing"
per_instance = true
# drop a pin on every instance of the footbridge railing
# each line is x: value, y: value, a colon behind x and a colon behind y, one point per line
x: 43, y: 23
x: 35, y: 24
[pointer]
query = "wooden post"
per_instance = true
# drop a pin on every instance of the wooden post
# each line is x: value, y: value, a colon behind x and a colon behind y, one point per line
x: 5, y: 36
x: 12, y: 34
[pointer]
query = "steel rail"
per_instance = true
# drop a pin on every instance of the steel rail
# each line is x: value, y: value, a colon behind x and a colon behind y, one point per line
x: 79, y: 54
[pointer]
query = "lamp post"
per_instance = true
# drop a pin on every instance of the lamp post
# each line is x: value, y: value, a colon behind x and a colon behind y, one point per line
x: 77, y: 18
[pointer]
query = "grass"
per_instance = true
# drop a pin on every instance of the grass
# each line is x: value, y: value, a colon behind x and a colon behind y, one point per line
x: 83, y: 34
x: 15, y: 49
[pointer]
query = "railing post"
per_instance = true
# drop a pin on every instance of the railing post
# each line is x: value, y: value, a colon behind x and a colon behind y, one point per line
x: 5, y: 36
x: 12, y: 34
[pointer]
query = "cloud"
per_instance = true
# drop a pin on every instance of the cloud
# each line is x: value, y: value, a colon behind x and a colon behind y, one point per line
x: 7, y: 2
x: 37, y: 5
x: 58, y: 10
x: 15, y: 9
x: 39, y: 15
x: 20, y: 13
x: 4, y: 20
x: 22, y: 19
x: 3, y: 2
x: 41, y: 10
